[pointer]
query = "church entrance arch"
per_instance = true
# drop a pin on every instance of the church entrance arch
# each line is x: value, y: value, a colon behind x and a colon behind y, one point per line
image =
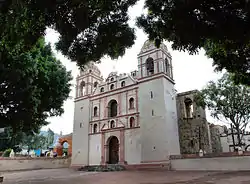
x: 113, y: 150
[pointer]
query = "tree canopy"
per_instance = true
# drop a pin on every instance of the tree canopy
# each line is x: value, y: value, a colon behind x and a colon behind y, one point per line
x: 220, y: 27
x: 33, y: 87
x: 91, y: 29
x: 88, y: 29
x: 227, y: 102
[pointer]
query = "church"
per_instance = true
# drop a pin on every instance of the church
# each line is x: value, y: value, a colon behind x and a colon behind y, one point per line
x: 130, y: 118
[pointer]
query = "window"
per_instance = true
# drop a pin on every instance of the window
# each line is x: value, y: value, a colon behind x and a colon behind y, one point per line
x: 151, y: 94
x: 131, y: 103
x: 82, y: 88
x: 112, y: 124
x: 112, y: 108
x: 112, y: 79
x: 95, y: 128
x: 112, y: 86
x: 81, y: 125
x: 123, y: 84
x: 150, y: 66
x: 166, y: 65
x: 95, y: 111
x: 102, y: 90
x: 153, y: 112
x: 188, y: 108
x: 132, y: 122
x: 95, y: 84
x: 90, y: 71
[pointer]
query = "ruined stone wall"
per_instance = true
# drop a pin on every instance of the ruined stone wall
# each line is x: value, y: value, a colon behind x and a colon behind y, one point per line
x: 194, y: 130
x: 215, y: 139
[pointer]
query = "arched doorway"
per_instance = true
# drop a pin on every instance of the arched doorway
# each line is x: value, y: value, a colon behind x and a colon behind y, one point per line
x: 64, y: 143
x: 65, y: 148
x: 113, y: 150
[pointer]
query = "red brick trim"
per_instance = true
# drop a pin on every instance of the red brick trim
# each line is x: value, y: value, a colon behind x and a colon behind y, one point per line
x: 113, y: 130
x: 154, y: 161
x: 121, y: 90
x: 105, y: 119
x: 110, y: 93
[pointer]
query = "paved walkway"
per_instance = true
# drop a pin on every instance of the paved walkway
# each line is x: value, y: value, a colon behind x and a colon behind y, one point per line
x: 63, y: 176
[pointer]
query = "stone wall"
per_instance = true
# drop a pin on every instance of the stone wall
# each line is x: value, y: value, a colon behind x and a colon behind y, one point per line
x: 215, y: 139
x: 23, y: 163
x: 227, y: 161
x: 194, y: 131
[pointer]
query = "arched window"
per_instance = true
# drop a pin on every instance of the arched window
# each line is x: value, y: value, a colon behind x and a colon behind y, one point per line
x: 112, y: 86
x: 150, y: 66
x: 82, y: 88
x: 131, y: 103
x: 95, y: 84
x: 102, y: 90
x: 95, y: 128
x: 112, y: 108
x: 112, y: 79
x: 112, y: 124
x: 123, y: 84
x: 188, y: 108
x: 166, y: 65
x: 95, y: 111
x: 132, y: 122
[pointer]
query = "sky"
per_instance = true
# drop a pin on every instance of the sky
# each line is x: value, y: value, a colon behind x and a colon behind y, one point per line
x: 190, y: 71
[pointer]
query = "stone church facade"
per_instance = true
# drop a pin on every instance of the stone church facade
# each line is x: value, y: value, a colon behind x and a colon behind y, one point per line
x: 129, y: 118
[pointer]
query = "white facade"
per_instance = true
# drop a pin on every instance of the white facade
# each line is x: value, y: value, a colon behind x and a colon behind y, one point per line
x: 128, y: 118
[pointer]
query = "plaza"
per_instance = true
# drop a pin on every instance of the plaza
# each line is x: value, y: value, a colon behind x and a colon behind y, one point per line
x: 63, y: 176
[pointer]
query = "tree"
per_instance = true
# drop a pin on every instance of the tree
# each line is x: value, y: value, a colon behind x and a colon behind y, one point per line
x: 7, y: 141
x: 88, y: 29
x: 50, y: 138
x: 220, y: 27
x: 35, y: 141
x: 33, y: 87
x: 229, y: 102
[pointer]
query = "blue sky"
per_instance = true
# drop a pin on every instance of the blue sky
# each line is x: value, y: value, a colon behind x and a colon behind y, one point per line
x: 190, y: 71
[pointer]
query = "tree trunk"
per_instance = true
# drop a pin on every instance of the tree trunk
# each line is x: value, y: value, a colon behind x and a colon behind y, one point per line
x: 238, y: 136
x: 232, y: 133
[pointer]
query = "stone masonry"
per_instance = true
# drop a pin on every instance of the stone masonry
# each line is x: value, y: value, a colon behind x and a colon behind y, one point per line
x: 194, y: 130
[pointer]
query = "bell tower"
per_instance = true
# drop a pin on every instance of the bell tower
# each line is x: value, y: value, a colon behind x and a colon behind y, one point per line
x: 157, y: 104
x: 152, y: 61
x: 86, y: 84
x: 88, y: 80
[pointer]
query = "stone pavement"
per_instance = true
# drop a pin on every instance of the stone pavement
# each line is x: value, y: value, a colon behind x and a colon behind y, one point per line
x: 63, y: 176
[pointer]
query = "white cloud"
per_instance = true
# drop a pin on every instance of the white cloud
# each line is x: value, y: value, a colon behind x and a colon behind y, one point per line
x: 190, y: 71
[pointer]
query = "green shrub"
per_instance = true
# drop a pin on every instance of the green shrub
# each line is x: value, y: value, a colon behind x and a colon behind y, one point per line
x: 6, y: 153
